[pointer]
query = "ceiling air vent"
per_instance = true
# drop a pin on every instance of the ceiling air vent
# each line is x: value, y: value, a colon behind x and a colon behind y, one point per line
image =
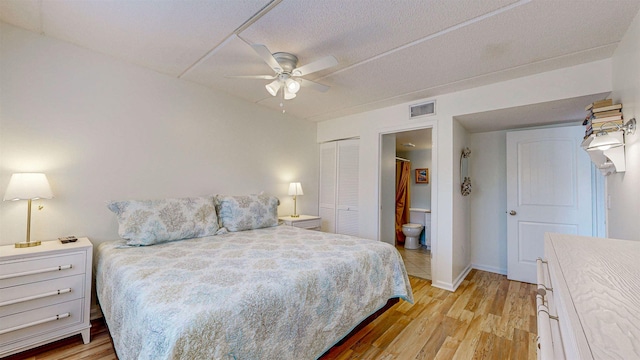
x: 428, y: 108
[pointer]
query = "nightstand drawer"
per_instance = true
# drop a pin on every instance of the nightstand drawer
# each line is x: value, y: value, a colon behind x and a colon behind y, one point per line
x: 41, y: 268
x: 307, y: 224
x: 40, y: 321
x: 303, y: 221
x: 21, y: 298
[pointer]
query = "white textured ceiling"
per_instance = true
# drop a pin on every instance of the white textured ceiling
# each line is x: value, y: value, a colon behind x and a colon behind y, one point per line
x: 552, y: 112
x: 420, y: 138
x: 389, y: 51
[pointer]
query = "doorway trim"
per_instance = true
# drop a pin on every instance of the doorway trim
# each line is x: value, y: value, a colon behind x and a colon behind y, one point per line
x: 424, y: 124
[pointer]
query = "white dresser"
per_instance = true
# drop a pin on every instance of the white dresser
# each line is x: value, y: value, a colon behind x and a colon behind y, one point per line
x: 588, y: 302
x: 44, y: 294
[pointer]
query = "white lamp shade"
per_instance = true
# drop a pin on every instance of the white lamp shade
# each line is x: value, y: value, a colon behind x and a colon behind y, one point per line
x: 288, y: 95
x: 603, y: 141
x: 295, y: 189
x: 25, y: 186
x: 292, y: 85
x: 273, y: 87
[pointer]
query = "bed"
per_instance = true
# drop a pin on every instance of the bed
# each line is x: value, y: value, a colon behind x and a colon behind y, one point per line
x: 277, y: 292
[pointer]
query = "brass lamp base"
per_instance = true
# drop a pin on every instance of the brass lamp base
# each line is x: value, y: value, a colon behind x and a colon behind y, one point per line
x: 28, y: 244
x: 295, y: 212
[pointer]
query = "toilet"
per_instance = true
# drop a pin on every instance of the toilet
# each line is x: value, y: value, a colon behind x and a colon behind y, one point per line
x: 412, y: 234
x: 412, y: 230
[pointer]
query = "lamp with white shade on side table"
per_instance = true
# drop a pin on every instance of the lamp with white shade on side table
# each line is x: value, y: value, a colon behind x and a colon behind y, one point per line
x: 28, y: 186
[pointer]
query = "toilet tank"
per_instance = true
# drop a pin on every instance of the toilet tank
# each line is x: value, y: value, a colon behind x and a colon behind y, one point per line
x: 418, y: 215
x: 422, y: 217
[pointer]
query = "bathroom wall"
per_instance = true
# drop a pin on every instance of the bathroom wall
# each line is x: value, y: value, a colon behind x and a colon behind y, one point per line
x: 420, y: 193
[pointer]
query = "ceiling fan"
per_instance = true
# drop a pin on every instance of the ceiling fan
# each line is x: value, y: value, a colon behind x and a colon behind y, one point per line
x: 288, y: 76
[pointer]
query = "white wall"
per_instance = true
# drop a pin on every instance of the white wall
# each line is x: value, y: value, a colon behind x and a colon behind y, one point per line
x: 388, y: 189
x: 488, y: 227
x: 580, y: 80
x: 461, y: 248
x: 623, y: 187
x: 420, y: 193
x: 102, y: 129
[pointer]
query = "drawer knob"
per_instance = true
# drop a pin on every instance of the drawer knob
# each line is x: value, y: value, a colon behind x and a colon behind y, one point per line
x: 541, y: 291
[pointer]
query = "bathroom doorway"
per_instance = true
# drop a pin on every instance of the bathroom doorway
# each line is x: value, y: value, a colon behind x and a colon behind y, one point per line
x: 405, y: 196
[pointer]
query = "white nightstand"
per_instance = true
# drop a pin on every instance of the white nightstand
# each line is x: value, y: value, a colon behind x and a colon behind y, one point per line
x: 45, y: 294
x: 303, y: 221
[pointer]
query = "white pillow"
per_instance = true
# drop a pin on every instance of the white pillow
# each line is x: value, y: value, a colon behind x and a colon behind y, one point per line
x: 148, y: 222
x: 247, y: 212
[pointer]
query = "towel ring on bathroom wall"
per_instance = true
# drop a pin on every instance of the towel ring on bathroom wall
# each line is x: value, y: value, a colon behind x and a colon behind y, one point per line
x: 465, y: 179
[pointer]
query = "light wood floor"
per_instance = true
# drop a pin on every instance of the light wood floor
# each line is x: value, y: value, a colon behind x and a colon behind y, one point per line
x: 417, y: 262
x: 100, y: 347
x: 488, y: 317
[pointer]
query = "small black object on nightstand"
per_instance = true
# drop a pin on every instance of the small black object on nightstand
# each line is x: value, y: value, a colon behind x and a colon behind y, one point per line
x: 68, y: 239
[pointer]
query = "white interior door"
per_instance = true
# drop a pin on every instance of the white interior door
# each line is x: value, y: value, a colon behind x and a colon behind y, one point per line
x: 548, y: 190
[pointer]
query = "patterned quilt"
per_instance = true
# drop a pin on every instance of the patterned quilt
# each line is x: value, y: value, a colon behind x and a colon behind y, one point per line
x: 273, y: 293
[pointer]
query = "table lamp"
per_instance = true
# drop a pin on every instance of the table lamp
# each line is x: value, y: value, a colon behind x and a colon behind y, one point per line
x: 28, y: 186
x: 295, y: 189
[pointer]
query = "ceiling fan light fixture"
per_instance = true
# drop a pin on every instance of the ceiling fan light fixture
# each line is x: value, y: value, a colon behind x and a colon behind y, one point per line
x: 288, y: 95
x: 285, y: 66
x: 292, y: 85
x: 273, y: 87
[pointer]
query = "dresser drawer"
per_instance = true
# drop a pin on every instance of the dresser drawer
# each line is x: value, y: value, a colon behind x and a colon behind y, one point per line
x: 40, y: 321
x: 39, y: 294
x: 35, y: 269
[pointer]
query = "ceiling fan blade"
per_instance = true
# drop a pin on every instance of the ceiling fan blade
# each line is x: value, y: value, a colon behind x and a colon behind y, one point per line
x: 266, y: 55
x: 264, y: 77
x: 324, y: 63
x: 314, y: 85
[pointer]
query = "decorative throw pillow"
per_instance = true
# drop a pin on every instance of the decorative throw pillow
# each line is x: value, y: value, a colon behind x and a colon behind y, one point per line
x: 148, y: 222
x: 247, y: 212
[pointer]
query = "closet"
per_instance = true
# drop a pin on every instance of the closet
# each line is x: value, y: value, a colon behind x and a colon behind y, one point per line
x: 339, y: 186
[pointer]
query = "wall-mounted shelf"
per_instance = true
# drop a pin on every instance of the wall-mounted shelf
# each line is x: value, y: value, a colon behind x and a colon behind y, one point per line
x: 608, y: 161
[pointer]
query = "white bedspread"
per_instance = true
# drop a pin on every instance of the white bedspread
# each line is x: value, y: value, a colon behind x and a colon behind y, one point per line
x: 274, y: 293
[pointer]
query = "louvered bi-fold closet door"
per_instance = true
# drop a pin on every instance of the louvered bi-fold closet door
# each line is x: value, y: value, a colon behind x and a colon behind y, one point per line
x: 339, y: 173
x: 347, y: 190
x: 328, y: 178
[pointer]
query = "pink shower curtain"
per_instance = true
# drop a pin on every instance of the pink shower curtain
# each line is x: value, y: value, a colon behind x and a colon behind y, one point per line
x: 403, y: 200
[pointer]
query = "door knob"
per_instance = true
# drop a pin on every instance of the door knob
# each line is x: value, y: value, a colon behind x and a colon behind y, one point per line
x: 512, y: 212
